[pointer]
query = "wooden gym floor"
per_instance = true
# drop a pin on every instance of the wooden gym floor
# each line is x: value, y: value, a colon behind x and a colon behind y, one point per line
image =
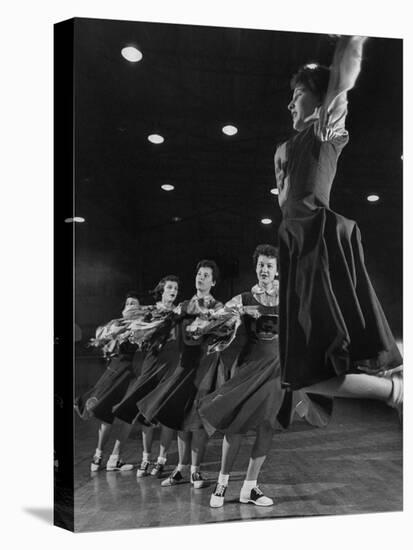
x: 353, y: 466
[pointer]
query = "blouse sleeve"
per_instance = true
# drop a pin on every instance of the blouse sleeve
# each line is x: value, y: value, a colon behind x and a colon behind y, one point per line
x: 330, y: 121
x: 236, y: 301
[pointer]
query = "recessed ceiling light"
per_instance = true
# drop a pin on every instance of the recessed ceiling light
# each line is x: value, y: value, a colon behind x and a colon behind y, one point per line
x: 167, y: 187
x: 266, y: 221
x: 76, y: 219
x: 176, y: 219
x: 230, y: 130
x: 373, y: 198
x: 311, y: 66
x: 156, y: 138
x: 274, y: 191
x: 131, y: 54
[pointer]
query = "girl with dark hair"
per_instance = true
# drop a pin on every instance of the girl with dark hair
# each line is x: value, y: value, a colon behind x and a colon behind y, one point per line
x: 175, y: 401
x: 109, y: 390
x: 253, y: 398
x: 334, y: 337
x: 157, y: 366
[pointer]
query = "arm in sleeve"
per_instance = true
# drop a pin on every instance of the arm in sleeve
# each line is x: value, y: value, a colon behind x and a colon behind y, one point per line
x: 345, y: 68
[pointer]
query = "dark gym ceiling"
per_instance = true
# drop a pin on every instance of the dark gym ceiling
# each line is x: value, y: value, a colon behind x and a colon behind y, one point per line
x: 191, y: 81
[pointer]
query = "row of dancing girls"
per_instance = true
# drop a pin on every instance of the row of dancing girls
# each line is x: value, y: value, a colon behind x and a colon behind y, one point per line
x: 170, y: 397
x: 124, y: 368
x: 175, y: 374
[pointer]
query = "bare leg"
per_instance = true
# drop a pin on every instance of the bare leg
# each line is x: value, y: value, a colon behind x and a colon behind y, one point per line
x: 250, y: 492
x: 184, y: 447
x: 199, y: 441
x: 259, y: 451
x: 166, y: 436
x: 123, y: 435
x: 230, y: 447
x: 114, y: 463
x: 198, y: 446
x: 165, y: 442
x: 103, y: 435
x: 361, y: 386
x: 147, y: 437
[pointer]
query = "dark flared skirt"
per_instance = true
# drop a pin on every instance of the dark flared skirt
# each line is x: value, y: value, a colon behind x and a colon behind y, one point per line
x: 157, y: 367
x: 331, y: 321
x: 251, y: 397
x: 108, y: 390
x: 174, y: 403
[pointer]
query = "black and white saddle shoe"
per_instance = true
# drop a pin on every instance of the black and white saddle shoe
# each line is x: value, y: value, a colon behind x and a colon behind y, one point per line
x: 255, y: 496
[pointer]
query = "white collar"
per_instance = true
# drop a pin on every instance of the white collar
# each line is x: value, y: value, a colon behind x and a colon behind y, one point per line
x: 161, y: 306
x: 273, y: 290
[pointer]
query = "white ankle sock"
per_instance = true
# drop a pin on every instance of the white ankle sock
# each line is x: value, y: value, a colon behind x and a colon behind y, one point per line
x: 248, y: 485
x: 182, y: 468
x: 113, y: 458
x: 146, y: 457
x: 161, y: 459
x: 194, y: 469
x: 98, y: 453
x: 223, y: 479
x: 396, y: 395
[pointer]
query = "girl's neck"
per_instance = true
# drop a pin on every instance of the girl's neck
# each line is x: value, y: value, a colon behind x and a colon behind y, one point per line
x: 203, y: 294
x: 266, y: 286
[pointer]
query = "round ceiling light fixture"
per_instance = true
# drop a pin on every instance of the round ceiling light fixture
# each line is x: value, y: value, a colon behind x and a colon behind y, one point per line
x: 76, y: 219
x: 132, y: 54
x: 230, y: 130
x: 156, y: 138
x: 373, y: 198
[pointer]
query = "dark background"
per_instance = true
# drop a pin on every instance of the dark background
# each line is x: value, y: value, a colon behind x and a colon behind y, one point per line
x: 191, y: 81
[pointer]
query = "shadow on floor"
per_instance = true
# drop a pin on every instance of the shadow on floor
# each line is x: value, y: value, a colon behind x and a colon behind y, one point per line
x: 45, y: 514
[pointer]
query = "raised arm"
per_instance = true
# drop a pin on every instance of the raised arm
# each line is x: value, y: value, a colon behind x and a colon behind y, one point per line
x: 345, y: 67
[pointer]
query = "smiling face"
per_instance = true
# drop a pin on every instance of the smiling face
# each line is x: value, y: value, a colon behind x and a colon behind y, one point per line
x: 170, y: 292
x: 204, y: 280
x: 302, y: 105
x: 266, y: 270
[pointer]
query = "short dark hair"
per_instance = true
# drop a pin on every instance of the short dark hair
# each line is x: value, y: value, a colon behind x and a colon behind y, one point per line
x: 132, y: 294
x: 314, y: 77
x: 264, y: 250
x: 158, y: 290
x: 213, y: 267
